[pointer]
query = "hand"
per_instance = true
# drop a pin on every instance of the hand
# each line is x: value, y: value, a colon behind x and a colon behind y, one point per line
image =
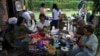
x: 26, y: 35
x: 81, y: 43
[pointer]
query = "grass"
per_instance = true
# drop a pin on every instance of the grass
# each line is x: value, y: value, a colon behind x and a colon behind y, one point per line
x: 68, y: 13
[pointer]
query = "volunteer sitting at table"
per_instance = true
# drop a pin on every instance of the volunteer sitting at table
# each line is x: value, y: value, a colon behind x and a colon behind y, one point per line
x: 87, y: 46
x: 42, y: 23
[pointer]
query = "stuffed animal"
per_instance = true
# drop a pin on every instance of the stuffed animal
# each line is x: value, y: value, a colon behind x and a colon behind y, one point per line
x: 51, y: 49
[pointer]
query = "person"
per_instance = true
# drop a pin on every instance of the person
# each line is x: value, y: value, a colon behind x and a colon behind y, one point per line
x: 61, y: 24
x: 79, y: 31
x: 80, y: 4
x: 11, y: 35
x: 28, y: 16
x: 20, y: 32
x: 82, y: 11
x: 88, y: 16
x: 42, y: 24
x: 11, y: 22
x: 88, y: 43
x: 30, y: 21
x: 92, y: 16
x: 42, y: 9
x: 55, y: 16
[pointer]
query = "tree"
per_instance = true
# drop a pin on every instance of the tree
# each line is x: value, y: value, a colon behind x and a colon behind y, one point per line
x: 96, y: 5
x: 29, y: 4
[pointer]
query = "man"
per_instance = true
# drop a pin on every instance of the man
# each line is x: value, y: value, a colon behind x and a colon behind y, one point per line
x: 87, y: 46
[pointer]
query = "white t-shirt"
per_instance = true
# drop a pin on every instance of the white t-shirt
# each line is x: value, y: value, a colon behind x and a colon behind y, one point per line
x: 82, y: 12
x: 41, y: 25
x: 56, y: 14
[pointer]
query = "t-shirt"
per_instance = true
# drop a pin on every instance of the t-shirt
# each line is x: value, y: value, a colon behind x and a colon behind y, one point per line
x: 20, y: 31
x: 56, y: 14
x: 82, y: 12
x: 93, y: 42
x: 41, y: 25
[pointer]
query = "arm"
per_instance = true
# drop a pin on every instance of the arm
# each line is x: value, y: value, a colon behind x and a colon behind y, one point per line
x: 9, y: 39
x: 89, y: 47
x: 21, y: 37
x: 86, y: 45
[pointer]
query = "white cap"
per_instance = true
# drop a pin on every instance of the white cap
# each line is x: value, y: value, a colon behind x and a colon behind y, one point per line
x: 12, y: 20
x: 30, y: 12
x: 26, y: 15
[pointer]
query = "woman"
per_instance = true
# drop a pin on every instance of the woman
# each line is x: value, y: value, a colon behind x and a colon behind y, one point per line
x: 42, y: 24
x: 55, y: 15
x: 82, y: 11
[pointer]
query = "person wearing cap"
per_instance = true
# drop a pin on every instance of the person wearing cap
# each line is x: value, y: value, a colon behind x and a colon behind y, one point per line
x: 30, y: 20
x: 28, y: 16
x: 11, y: 22
x: 13, y: 34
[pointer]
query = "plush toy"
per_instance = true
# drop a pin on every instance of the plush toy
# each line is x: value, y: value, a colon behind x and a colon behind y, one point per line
x: 38, y: 35
x: 51, y: 49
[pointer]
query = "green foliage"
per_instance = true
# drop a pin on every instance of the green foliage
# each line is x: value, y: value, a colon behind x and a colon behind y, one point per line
x: 89, y: 5
x: 97, y: 5
x: 62, y: 4
x: 29, y: 4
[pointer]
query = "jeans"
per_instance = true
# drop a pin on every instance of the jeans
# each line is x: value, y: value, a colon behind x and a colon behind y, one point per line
x: 77, y: 52
x: 54, y: 23
x: 20, y: 43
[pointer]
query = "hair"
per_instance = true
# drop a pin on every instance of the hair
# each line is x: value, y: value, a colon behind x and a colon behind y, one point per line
x: 89, y: 28
x: 55, y: 6
x: 20, y: 20
x: 24, y: 10
x: 91, y: 18
x: 42, y: 15
x: 43, y: 4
